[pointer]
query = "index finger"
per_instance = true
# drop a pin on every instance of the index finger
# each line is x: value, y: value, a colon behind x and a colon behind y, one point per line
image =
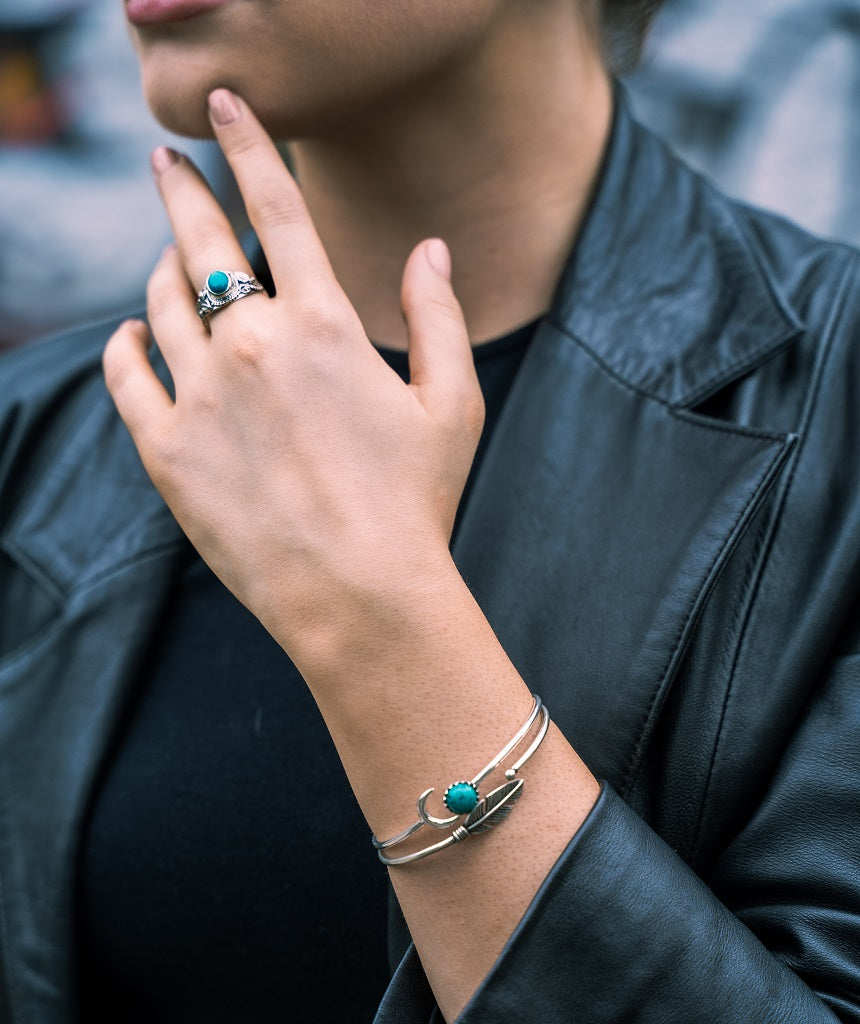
x: 273, y: 200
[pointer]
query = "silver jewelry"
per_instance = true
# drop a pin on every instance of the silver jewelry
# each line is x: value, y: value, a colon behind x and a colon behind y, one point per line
x: 486, y: 814
x: 463, y: 797
x: 425, y: 818
x: 223, y: 287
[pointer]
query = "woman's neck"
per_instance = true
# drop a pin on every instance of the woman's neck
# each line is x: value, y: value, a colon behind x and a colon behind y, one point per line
x: 497, y: 155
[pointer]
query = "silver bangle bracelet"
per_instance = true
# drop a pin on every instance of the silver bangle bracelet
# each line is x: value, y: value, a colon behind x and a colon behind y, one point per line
x: 468, y: 795
x: 487, y: 813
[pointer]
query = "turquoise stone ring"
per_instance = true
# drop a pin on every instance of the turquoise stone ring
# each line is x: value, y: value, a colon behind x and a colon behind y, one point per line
x: 460, y: 797
x: 218, y: 282
x: 223, y: 287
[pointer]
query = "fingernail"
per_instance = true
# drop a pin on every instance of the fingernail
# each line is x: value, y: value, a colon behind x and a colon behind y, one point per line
x: 439, y: 257
x: 163, y: 159
x: 168, y: 249
x: 223, y: 108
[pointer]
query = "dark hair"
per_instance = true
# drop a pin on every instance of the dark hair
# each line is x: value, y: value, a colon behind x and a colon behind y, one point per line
x: 624, y: 25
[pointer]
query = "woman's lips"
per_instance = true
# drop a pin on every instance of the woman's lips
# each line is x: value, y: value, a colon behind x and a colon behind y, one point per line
x: 160, y: 12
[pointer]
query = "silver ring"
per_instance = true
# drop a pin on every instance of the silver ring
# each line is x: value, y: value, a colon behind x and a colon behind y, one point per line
x: 223, y: 287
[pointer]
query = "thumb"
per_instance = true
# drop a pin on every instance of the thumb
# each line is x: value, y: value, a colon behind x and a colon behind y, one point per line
x: 441, y: 366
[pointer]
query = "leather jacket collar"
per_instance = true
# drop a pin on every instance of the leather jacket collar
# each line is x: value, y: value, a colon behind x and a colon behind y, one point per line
x: 665, y: 286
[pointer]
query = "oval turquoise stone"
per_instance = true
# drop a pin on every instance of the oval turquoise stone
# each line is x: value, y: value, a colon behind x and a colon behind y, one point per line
x: 218, y: 282
x: 461, y: 797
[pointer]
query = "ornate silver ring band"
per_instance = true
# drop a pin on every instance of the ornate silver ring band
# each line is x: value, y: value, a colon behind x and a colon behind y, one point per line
x: 223, y: 287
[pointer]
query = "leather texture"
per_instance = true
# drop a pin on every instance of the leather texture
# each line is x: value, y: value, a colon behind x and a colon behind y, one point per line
x: 665, y: 535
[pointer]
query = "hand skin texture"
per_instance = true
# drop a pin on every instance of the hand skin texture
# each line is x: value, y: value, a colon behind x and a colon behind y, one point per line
x: 322, y: 491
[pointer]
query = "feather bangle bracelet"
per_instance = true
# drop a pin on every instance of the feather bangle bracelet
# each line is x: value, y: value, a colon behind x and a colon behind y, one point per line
x: 460, y: 797
x: 486, y: 813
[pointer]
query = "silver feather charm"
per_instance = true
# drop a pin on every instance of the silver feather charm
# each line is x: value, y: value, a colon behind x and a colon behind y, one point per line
x: 486, y: 814
x: 494, y: 807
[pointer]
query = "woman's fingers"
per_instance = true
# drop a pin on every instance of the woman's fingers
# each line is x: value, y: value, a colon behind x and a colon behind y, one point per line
x: 173, y: 319
x: 273, y: 200
x: 441, y: 364
x: 138, y: 394
x: 203, y: 234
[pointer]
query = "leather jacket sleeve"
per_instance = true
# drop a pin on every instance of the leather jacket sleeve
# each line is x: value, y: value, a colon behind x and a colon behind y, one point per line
x: 623, y: 930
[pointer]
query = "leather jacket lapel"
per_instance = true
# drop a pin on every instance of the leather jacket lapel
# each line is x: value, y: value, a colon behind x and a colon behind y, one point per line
x: 665, y: 287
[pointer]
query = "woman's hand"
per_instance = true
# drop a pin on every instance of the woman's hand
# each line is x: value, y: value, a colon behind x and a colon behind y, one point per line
x: 322, y: 490
x: 305, y: 472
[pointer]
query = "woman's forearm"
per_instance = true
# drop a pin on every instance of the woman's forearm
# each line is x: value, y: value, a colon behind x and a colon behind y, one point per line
x: 322, y: 491
x: 417, y: 692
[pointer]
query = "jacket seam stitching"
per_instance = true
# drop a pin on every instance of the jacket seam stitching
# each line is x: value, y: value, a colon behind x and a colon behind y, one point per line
x: 681, y: 412
x: 793, y: 328
x: 752, y: 360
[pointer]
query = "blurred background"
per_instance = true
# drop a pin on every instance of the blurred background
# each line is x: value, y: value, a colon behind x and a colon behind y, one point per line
x: 80, y: 223
x: 763, y: 95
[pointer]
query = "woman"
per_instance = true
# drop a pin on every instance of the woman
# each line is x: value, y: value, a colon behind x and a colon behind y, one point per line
x: 662, y: 533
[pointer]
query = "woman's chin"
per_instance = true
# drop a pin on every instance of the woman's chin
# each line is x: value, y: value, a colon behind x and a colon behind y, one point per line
x: 181, y: 119
x: 179, y: 106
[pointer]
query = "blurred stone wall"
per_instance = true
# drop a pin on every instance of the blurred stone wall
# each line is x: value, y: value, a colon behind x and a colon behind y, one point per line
x: 764, y: 96
x: 80, y: 222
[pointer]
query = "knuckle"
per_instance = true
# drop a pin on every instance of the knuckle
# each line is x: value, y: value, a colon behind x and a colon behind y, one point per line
x: 445, y: 309
x: 276, y: 208
x: 207, y: 238
x: 163, y: 447
x: 241, y: 145
x: 162, y: 454
x: 248, y: 347
x: 439, y: 305
x: 322, y: 320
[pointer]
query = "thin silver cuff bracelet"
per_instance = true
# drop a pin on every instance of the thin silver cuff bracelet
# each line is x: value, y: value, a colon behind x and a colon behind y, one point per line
x: 487, y: 812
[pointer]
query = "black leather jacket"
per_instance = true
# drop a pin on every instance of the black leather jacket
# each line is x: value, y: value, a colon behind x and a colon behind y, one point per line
x: 665, y: 535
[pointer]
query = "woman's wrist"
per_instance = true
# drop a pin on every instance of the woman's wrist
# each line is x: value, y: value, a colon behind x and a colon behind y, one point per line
x: 384, y: 612
x: 416, y: 691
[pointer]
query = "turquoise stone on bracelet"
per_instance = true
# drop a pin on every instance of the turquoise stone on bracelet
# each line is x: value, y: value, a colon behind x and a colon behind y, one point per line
x: 217, y: 282
x: 460, y: 797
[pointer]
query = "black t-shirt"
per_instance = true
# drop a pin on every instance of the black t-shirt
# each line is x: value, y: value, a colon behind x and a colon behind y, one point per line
x: 226, y: 872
